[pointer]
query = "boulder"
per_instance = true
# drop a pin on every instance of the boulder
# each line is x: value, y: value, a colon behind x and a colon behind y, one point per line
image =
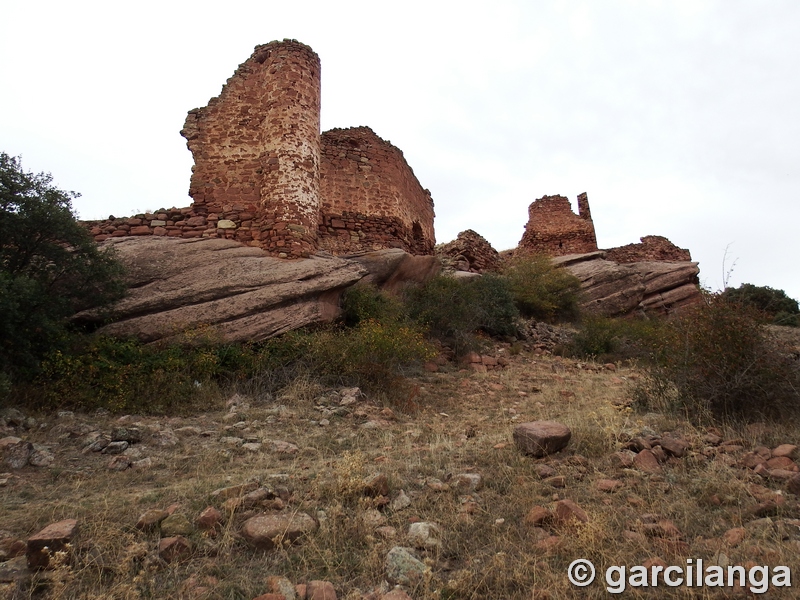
x: 268, y: 530
x: 540, y: 438
x: 238, y: 292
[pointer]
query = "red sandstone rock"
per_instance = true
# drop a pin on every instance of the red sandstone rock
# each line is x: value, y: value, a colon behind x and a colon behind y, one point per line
x: 540, y: 438
x: 647, y: 461
x: 265, y: 531
x: 538, y: 516
x: 787, y: 450
x: 567, y: 510
x: 320, y: 590
x: 209, y: 518
x: 53, y: 538
x: 174, y: 549
x: 735, y: 536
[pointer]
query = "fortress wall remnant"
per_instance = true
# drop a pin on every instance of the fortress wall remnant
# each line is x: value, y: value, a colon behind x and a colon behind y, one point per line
x: 554, y: 229
x: 651, y: 248
x: 256, y: 150
x: 370, y: 197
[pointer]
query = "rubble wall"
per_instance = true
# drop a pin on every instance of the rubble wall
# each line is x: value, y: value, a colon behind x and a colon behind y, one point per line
x: 651, y: 248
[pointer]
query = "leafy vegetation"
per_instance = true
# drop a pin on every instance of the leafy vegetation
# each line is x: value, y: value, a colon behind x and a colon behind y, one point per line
x: 49, y: 268
x: 541, y: 290
x: 716, y: 362
x: 777, y: 307
x: 453, y: 310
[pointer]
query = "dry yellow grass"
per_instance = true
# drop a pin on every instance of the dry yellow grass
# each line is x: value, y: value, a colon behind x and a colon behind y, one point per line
x: 451, y: 423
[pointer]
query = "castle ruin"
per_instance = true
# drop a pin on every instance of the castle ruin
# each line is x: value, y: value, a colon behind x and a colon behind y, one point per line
x: 266, y: 177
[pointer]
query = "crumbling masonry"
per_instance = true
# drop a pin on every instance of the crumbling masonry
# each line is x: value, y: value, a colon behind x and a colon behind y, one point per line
x: 263, y: 174
x: 554, y: 229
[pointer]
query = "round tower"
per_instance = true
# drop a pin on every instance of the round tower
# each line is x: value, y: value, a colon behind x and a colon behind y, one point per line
x: 256, y: 149
x: 290, y: 138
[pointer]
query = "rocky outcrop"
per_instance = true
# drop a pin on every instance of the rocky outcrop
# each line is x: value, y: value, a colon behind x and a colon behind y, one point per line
x: 237, y: 292
x: 614, y: 289
x: 393, y: 269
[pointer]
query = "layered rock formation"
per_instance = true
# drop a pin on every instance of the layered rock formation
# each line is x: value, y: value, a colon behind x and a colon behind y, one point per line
x: 238, y: 293
x: 613, y: 289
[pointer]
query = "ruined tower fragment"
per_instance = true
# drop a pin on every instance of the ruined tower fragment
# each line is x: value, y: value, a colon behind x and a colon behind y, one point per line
x: 256, y: 150
x: 554, y: 229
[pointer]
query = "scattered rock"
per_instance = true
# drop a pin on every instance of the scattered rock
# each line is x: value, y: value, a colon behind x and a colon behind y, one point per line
x: 54, y: 538
x: 467, y: 482
x: 18, y: 454
x: 646, y: 461
x: 176, y: 525
x: 174, y: 549
x: 150, y: 519
x: 400, y: 501
x: 268, y: 531
x: 785, y: 450
x: 735, y: 536
x: 540, y: 438
x: 425, y: 535
x: 320, y: 590
x: 403, y: 567
x: 376, y: 485
x: 209, y: 518
x: 567, y: 510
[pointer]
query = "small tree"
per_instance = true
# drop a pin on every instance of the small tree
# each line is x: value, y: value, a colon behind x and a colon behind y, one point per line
x: 775, y: 304
x: 49, y: 267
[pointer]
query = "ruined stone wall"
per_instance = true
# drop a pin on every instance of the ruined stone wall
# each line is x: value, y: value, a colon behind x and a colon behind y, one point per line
x: 651, y: 248
x: 370, y: 197
x: 554, y: 229
x: 470, y: 251
x: 256, y: 150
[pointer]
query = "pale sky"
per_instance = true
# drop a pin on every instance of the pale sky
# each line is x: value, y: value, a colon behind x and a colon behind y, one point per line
x: 678, y: 118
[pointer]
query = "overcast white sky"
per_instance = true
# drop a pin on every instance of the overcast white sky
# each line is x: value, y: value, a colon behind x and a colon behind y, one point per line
x: 678, y: 118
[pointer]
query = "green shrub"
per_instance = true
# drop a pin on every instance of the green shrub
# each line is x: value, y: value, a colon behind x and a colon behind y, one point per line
x: 715, y: 361
x: 50, y: 268
x: 541, y: 290
x: 453, y: 310
x: 597, y: 338
x: 778, y: 308
x: 367, y: 302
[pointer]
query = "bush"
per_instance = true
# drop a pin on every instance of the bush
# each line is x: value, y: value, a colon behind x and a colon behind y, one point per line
x: 453, y: 310
x: 367, y: 302
x: 50, y: 268
x: 777, y: 307
x: 715, y: 361
x: 541, y: 290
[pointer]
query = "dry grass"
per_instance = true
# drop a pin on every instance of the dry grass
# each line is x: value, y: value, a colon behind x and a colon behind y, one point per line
x: 451, y: 423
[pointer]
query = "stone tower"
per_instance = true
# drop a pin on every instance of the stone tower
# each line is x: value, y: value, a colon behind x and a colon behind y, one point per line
x: 555, y: 230
x: 256, y: 149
